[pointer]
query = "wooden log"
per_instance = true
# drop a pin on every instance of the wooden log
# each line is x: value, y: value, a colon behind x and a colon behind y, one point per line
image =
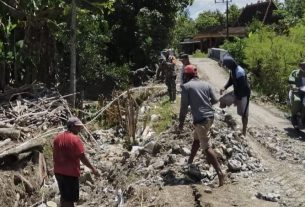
x: 29, y: 188
x: 9, y: 133
x: 42, y: 170
x: 5, y: 142
x: 26, y: 146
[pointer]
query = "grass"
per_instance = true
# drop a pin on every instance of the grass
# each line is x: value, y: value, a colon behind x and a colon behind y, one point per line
x: 199, y: 54
x: 166, y: 112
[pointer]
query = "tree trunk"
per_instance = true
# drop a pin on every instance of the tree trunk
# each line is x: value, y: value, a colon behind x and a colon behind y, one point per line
x: 73, y: 54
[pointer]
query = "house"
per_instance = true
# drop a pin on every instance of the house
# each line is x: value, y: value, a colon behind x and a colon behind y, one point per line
x: 215, y: 36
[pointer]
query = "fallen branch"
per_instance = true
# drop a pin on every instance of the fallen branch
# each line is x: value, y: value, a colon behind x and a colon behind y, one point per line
x: 9, y: 133
x: 5, y: 142
x: 42, y: 170
x: 20, y: 179
x: 26, y: 146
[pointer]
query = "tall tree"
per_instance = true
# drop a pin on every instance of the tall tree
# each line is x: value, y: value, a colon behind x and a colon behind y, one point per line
x: 209, y: 19
x: 234, y: 13
x: 185, y: 28
x: 73, y: 54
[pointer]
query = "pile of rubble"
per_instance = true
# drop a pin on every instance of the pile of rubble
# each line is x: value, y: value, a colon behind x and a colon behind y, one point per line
x: 160, y: 160
x: 28, y: 115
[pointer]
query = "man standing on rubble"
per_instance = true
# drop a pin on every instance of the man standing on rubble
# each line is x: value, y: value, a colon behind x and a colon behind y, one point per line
x: 200, y: 97
x: 241, y: 93
x: 68, y: 151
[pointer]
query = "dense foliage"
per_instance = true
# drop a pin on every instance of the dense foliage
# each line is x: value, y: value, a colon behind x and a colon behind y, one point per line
x: 113, y: 37
x: 270, y: 56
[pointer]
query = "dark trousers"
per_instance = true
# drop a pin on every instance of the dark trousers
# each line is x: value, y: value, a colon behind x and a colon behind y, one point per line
x: 171, y: 87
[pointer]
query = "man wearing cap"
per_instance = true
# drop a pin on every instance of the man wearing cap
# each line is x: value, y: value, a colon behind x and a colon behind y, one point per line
x: 68, y: 151
x: 168, y: 70
x: 200, y: 97
x: 296, y: 80
x: 241, y: 94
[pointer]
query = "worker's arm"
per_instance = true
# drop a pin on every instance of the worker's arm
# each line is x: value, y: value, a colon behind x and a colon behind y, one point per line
x: 86, y: 162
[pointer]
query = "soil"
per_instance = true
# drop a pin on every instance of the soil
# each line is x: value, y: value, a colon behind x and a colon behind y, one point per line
x: 158, y: 179
x: 283, y: 176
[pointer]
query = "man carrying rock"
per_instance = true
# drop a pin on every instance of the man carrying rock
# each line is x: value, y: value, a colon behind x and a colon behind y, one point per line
x: 200, y: 97
x: 68, y: 151
x: 241, y: 95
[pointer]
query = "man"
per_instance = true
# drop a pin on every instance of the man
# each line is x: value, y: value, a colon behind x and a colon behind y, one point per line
x: 184, y: 58
x: 68, y: 151
x: 296, y: 80
x: 241, y: 95
x: 168, y: 70
x: 199, y: 95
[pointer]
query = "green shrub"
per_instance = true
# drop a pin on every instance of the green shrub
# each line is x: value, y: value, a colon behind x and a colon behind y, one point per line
x: 271, y: 58
x: 199, y: 54
x: 165, y: 110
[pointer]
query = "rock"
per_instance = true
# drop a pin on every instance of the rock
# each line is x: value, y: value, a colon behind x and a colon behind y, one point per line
x: 51, y: 204
x: 155, y: 117
x: 230, y: 121
x: 176, y: 149
x: 136, y: 150
x: 234, y: 165
x: 208, y: 190
x: 158, y: 164
x: 86, y: 176
x: 229, y: 151
x: 274, y: 197
x: 219, y: 153
x: 152, y: 147
x: 186, y: 151
x: 193, y: 172
x: 83, y: 197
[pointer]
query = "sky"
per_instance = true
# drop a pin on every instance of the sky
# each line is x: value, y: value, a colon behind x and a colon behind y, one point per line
x: 205, y: 5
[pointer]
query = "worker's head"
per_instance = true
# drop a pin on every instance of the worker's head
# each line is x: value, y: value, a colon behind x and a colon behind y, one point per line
x: 74, y: 125
x: 184, y: 58
x: 189, y: 72
x: 229, y: 62
x: 302, y: 65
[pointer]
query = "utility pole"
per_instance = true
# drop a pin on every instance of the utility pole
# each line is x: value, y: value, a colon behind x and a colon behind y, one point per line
x: 73, y: 54
x: 227, y: 13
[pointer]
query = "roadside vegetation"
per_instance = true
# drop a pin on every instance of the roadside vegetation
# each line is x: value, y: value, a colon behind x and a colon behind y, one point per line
x: 164, y: 114
x: 199, y: 54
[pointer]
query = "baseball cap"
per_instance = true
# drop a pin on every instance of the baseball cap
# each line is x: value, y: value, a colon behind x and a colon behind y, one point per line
x: 190, y: 69
x: 74, y: 121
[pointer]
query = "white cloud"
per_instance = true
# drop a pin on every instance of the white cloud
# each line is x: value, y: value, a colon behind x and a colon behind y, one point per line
x: 206, y: 5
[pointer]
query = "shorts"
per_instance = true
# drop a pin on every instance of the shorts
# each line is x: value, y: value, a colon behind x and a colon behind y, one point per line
x: 68, y: 187
x: 242, y: 105
x: 202, y: 133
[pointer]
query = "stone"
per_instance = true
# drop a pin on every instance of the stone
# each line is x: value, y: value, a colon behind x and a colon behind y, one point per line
x: 208, y: 190
x: 274, y: 197
x: 155, y: 117
x: 158, y: 164
x: 152, y: 147
x: 186, y: 151
x: 176, y: 149
x: 234, y: 165
x: 229, y: 151
x: 193, y: 172
x: 219, y: 153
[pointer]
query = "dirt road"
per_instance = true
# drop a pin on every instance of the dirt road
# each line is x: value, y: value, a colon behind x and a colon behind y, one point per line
x: 282, y: 176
